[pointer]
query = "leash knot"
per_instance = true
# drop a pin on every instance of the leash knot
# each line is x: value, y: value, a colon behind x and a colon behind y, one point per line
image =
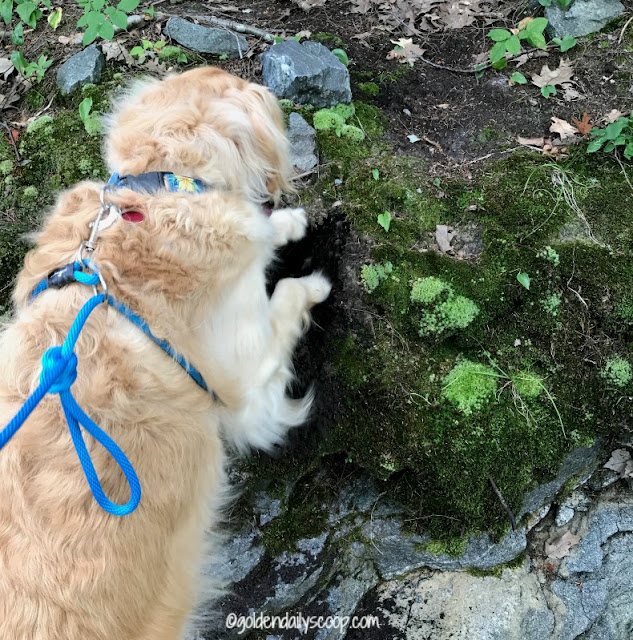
x: 50, y: 362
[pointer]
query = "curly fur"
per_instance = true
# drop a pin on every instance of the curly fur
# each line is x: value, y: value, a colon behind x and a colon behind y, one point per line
x: 195, y: 270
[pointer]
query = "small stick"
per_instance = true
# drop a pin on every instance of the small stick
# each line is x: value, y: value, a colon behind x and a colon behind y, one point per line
x: 12, y: 141
x: 504, y: 504
x: 240, y: 27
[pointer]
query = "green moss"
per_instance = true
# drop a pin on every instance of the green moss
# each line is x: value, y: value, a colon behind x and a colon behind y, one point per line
x: 469, y: 385
x: 551, y: 303
x: 549, y: 254
x: 324, y: 36
x: 6, y: 167
x: 30, y: 193
x: 497, y: 571
x: 528, y: 384
x: 426, y: 290
x: 369, y: 88
x: 453, y: 547
x: 617, y: 372
x: 373, y: 274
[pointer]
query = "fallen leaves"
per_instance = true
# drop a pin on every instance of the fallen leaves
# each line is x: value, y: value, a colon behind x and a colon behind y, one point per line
x: 560, y: 547
x: 553, y: 77
x: 621, y: 462
x: 405, y: 51
x: 566, y: 131
x: 584, y: 125
x: 443, y: 237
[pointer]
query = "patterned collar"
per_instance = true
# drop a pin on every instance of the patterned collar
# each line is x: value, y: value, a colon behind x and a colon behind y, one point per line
x: 155, y: 181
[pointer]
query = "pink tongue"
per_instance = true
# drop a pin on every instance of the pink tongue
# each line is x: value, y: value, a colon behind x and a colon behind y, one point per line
x: 133, y: 216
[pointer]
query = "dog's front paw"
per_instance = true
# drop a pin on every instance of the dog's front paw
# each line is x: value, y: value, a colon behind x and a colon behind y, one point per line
x: 290, y: 225
x: 317, y: 286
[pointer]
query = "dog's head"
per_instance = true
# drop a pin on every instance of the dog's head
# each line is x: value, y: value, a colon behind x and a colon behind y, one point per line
x: 206, y: 124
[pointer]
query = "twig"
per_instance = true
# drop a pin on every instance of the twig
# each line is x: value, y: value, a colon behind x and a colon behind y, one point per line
x: 240, y: 27
x: 624, y: 28
x: 617, y: 157
x: 496, y: 153
x: 12, y: 141
x: 504, y: 504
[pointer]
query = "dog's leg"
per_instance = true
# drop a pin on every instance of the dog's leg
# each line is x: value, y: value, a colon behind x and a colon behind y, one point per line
x: 289, y: 224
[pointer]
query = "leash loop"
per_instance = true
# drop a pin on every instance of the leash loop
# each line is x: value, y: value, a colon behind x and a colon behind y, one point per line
x: 64, y: 380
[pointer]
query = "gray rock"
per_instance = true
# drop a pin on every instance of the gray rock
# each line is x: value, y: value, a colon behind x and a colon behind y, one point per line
x: 395, y: 554
x: 306, y: 73
x: 83, y: 68
x: 237, y: 558
x: 582, y: 17
x: 583, y: 601
x: 266, y: 507
x: 206, y: 40
x: 302, y: 143
x: 580, y: 463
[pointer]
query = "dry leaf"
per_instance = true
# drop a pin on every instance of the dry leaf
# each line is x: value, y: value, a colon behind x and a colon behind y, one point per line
x: 116, y: 51
x: 569, y: 92
x: 565, y: 130
x: 612, y: 116
x: 306, y: 5
x: 548, y: 76
x: 621, y: 462
x: 443, y: 237
x: 413, y: 138
x: 583, y: 125
x: 560, y: 547
x: 531, y: 142
x: 408, y: 52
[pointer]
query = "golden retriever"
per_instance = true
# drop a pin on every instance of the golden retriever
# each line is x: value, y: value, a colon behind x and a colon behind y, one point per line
x: 194, y: 269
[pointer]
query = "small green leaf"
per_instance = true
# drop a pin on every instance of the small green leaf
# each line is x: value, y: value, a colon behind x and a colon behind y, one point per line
x: 119, y: 19
x: 6, y: 10
x: 17, y: 35
x: 27, y: 12
x: 137, y: 51
x: 90, y: 35
x: 595, y: 145
x: 513, y: 45
x: 384, y: 220
x: 149, y: 12
x: 628, y: 151
x: 538, y: 40
x: 537, y: 25
x: 500, y: 64
x: 84, y: 108
x: 566, y: 43
x: 499, y: 35
x: 147, y: 44
x: 128, y: 5
x: 524, y: 279
x: 55, y: 17
x: 518, y: 78
x: 548, y: 90
x: 19, y: 62
x: 497, y: 52
x: 545, y: 3
x: 341, y: 55
x: 375, y: 174
x: 106, y: 31
x: 277, y: 40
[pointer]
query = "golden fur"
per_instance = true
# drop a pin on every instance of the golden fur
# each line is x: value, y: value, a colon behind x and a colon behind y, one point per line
x: 194, y: 270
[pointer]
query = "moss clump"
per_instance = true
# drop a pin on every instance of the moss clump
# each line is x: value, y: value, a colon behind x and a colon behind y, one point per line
x: 528, y: 384
x: 336, y: 120
x: 30, y: 193
x: 447, y: 313
x: 551, y: 303
x: 6, y: 167
x: 469, y: 385
x: 369, y: 88
x: 617, y: 372
x: 453, y: 547
x: 373, y: 274
x: 549, y: 254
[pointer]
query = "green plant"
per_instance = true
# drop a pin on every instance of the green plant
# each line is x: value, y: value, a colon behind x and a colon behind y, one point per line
x: 551, y: 302
x: 566, y: 43
x: 27, y: 69
x: 469, y: 385
x: 100, y: 17
x: 506, y: 41
x: 341, y: 55
x: 617, y: 372
x: 372, y: 275
x: 92, y: 125
x: 549, y: 254
x: 616, y: 134
x: 524, y: 280
x: 443, y: 310
x: 548, y: 3
x: 370, y: 88
x: 384, y: 220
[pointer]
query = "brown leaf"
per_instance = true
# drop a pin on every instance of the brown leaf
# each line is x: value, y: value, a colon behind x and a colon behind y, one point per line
x: 565, y: 130
x: 563, y: 73
x: 584, y: 125
x: 560, y: 547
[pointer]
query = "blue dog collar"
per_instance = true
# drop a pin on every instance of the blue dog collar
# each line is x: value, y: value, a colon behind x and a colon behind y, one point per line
x: 157, y: 180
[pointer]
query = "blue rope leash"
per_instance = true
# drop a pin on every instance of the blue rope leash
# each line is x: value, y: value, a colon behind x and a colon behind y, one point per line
x: 59, y: 371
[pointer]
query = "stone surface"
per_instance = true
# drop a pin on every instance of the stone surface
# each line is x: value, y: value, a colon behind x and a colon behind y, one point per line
x: 206, y: 40
x: 582, y: 17
x: 306, y: 73
x: 302, y: 143
x: 83, y: 68
x: 579, y: 464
